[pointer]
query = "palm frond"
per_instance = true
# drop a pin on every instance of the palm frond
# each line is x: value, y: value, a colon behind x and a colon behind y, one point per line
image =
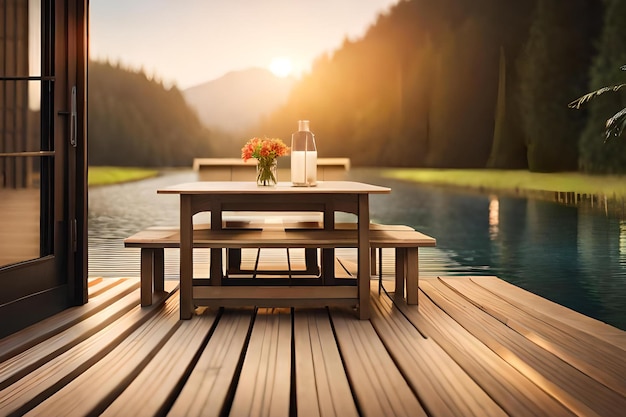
x: 615, y: 125
x: 587, y: 97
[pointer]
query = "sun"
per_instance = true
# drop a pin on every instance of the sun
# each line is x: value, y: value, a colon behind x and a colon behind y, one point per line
x: 281, y: 66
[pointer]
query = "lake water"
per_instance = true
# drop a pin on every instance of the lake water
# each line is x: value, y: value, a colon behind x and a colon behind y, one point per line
x: 569, y: 255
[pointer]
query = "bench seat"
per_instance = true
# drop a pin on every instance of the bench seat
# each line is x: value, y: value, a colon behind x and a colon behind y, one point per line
x: 280, y: 238
x: 403, y: 239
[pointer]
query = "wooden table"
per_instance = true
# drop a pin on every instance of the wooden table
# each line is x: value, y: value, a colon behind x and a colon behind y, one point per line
x: 327, y: 197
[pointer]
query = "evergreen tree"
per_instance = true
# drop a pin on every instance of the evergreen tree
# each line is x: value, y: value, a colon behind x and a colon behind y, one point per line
x: 553, y: 67
x: 134, y: 121
x: 463, y: 97
x: 498, y: 131
x: 596, y: 154
x: 421, y: 87
x: 510, y: 22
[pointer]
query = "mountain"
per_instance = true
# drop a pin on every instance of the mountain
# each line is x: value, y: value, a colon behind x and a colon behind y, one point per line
x: 238, y: 100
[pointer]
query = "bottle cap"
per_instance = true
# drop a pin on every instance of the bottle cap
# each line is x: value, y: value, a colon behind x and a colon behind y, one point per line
x: 303, y: 125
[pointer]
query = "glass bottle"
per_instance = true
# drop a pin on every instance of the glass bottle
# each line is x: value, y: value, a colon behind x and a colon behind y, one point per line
x: 303, y: 156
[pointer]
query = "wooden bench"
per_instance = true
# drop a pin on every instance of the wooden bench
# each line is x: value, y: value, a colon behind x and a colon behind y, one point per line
x: 403, y: 239
x: 234, y: 169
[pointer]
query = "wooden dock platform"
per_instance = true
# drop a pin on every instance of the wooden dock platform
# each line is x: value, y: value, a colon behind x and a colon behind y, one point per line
x: 475, y: 346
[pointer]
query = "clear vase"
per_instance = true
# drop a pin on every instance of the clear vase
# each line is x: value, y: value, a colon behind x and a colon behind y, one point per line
x: 266, y: 173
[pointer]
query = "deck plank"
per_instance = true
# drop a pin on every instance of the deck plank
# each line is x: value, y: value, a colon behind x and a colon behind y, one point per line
x: 515, y: 393
x: 20, y: 365
x: 46, y: 380
x: 577, y: 391
x: 97, y: 286
x: 89, y: 391
x: 209, y: 384
x: 153, y: 390
x: 441, y: 384
x: 471, y: 338
x: 379, y: 387
x: 41, y: 331
x: 592, y: 356
x: 321, y: 388
x: 553, y: 312
x: 264, y: 386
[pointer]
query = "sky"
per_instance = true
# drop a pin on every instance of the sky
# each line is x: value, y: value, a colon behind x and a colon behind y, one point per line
x: 188, y: 42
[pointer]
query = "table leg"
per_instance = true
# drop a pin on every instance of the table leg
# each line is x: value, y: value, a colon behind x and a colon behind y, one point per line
x: 363, y: 219
x: 233, y: 259
x: 216, y: 254
x: 186, y: 258
x: 311, y: 261
x: 158, y: 271
x: 328, y: 254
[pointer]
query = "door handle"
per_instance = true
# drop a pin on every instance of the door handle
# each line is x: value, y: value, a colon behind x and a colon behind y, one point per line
x: 73, y: 119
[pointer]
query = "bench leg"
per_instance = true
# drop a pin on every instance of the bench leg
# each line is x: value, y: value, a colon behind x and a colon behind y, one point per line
x: 412, y: 276
x: 373, y: 261
x: 146, y: 276
x: 400, y: 272
x: 152, y: 274
x: 380, y: 266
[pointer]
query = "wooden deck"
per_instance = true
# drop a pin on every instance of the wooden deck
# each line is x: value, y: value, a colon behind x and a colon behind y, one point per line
x: 475, y: 346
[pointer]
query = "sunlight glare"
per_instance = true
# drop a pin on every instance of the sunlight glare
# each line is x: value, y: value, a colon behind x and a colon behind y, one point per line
x: 281, y: 66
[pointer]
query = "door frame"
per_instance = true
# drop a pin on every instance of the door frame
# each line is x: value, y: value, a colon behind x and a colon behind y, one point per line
x: 57, y: 279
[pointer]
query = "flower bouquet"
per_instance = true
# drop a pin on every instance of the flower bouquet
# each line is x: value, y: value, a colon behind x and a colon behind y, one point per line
x: 265, y: 151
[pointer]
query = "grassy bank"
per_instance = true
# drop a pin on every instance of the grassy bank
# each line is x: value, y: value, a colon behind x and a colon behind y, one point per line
x: 115, y: 175
x: 516, y: 180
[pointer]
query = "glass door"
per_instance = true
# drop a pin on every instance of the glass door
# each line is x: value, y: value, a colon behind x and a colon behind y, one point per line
x: 42, y: 54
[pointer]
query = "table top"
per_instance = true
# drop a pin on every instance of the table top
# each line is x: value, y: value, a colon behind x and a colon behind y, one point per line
x: 250, y: 187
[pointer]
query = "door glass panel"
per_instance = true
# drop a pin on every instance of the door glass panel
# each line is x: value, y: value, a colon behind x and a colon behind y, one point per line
x: 25, y: 155
x: 20, y: 213
x: 20, y: 118
x: 20, y: 38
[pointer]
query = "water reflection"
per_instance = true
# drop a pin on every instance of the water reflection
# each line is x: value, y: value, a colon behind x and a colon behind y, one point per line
x: 494, y: 216
x: 622, y: 240
x: 574, y: 257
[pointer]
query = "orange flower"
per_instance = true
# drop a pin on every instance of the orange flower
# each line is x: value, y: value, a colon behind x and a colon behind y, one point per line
x: 265, y: 150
